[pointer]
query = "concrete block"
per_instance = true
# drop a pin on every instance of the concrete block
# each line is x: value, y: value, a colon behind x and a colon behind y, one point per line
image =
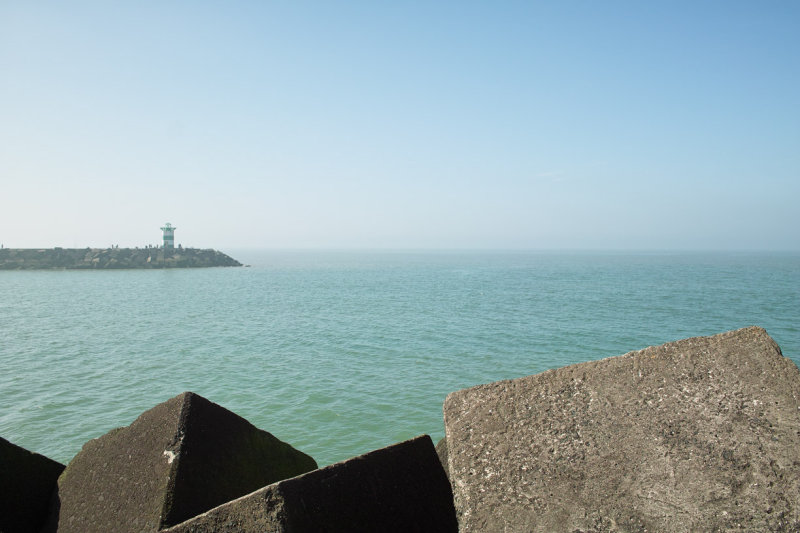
x: 27, y: 482
x: 181, y: 458
x: 701, y: 434
x: 398, y: 488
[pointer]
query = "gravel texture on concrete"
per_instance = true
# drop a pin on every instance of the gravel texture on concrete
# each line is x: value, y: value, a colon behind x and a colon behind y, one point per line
x: 398, y: 488
x: 697, y: 435
x: 178, y: 459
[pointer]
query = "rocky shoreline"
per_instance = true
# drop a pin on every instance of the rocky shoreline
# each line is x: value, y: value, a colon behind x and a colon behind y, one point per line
x: 112, y: 258
x: 694, y: 435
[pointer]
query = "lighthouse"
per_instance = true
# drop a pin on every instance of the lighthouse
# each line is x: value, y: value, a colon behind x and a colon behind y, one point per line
x: 169, y: 235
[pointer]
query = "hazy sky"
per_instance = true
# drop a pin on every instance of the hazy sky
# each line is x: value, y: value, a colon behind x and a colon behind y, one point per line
x: 567, y: 125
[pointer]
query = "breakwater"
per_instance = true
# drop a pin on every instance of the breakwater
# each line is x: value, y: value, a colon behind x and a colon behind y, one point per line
x: 111, y: 258
x: 693, y: 435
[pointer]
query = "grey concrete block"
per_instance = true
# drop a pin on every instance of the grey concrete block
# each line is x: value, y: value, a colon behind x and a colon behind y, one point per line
x: 181, y: 458
x: 27, y: 482
x: 441, y: 451
x: 398, y: 488
x: 701, y: 434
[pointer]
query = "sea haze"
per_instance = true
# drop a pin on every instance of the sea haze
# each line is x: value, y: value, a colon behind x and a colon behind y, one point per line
x: 340, y: 353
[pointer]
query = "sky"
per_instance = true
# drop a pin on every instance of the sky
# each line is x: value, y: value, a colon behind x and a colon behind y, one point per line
x: 565, y: 125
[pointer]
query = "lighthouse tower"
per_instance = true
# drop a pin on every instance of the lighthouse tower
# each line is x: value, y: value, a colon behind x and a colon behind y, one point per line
x: 169, y: 235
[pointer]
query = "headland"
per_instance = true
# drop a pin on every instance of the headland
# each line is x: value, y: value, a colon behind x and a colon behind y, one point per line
x: 112, y: 258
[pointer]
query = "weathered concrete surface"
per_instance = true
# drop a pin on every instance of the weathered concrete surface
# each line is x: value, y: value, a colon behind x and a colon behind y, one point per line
x: 398, y: 488
x: 181, y: 458
x: 701, y: 434
x: 27, y: 480
x: 441, y: 451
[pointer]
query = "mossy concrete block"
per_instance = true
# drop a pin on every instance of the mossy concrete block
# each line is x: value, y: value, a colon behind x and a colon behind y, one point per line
x: 701, y: 434
x: 181, y: 458
x: 398, y: 488
x: 27, y: 481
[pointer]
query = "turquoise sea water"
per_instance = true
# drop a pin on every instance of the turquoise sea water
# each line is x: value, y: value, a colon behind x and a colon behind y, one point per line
x: 340, y: 353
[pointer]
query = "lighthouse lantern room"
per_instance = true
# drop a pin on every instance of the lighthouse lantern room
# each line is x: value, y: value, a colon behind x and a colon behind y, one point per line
x: 169, y: 235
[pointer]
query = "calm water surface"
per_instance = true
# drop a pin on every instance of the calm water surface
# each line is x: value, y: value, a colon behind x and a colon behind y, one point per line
x: 340, y: 353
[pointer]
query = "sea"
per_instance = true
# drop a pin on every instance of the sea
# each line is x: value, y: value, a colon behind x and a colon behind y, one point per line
x: 342, y: 352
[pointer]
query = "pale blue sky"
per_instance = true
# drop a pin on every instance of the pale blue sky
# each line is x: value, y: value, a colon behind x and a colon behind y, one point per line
x: 559, y: 125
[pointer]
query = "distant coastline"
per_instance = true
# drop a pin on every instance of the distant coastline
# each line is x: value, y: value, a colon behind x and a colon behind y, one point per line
x: 112, y: 258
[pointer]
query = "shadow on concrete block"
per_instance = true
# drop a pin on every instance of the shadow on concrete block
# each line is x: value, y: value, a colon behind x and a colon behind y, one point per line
x: 27, y: 482
x: 181, y: 458
x: 399, y: 488
x: 701, y: 434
